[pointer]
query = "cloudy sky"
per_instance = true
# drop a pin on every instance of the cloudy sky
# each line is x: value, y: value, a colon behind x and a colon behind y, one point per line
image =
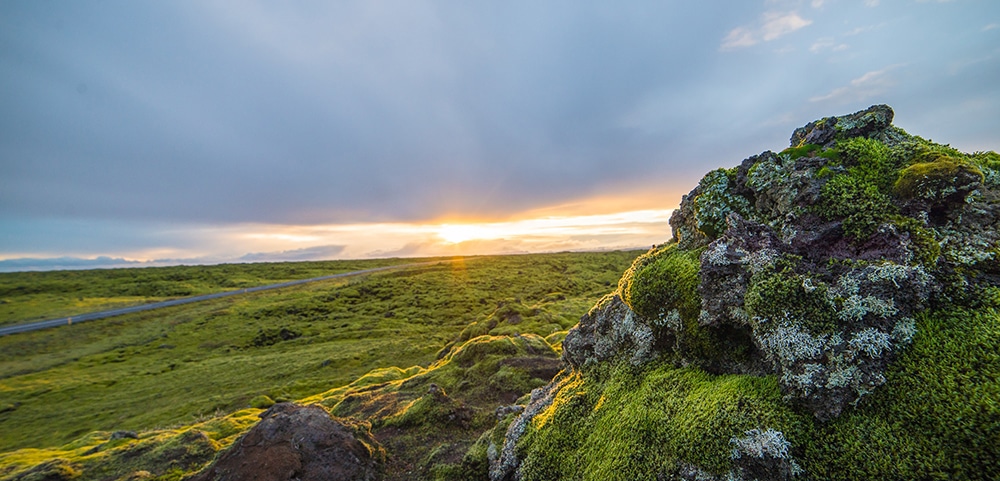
x: 206, y: 131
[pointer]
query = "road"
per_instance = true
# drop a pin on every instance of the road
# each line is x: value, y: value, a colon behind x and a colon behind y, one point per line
x: 64, y: 321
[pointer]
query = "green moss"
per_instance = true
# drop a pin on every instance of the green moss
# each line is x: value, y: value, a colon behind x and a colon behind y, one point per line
x: 988, y: 159
x: 716, y: 201
x: 481, y: 347
x: 804, y: 150
x: 512, y: 378
x: 639, y: 424
x: 812, y: 150
x: 663, y: 280
x: 513, y: 316
x: 859, y: 195
x: 924, y: 151
x: 938, y: 181
x: 937, y: 417
x: 261, y: 402
x: 869, y: 161
x: 662, y: 287
x: 53, y: 470
x: 165, y: 454
x: 925, y: 247
x: 434, y: 409
x: 432, y: 417
x: 475, y: 463
x: 772, y: 295
x: 832, y: 155
x: 989, y: 164
x: 555, y: 340
x: 860, y: 205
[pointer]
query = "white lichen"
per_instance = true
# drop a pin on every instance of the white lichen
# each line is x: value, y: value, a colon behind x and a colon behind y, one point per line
x: 760, y: 260
x: 896, y: 273
x: 888, y: 271
x: 843, y: 376
x: 871, y: 341
x: 968, y: 255
x: 805, y: 380
x: 756, y: 443
x: 903, y: 331
x: 671, y: 319
x: 638, y: 334
x: 739, y: 314
x: 847, y: 285
x: 855, y: 308
x: 716, y: 253
x: 789, y: 343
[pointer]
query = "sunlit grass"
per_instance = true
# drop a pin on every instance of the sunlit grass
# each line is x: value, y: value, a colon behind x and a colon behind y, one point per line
x: 26, y: 296
x: 173, y: 366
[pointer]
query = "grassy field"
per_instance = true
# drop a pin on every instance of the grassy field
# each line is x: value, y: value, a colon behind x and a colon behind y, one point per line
x: 178, y: 365
x: 28, y: 296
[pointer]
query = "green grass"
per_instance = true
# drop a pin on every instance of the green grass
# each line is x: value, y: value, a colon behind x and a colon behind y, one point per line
x: 177, y: 365
x: 27, y: 296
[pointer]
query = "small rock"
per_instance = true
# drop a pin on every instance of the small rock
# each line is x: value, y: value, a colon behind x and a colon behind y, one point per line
x: 124, y: 435
x: 304, y: 443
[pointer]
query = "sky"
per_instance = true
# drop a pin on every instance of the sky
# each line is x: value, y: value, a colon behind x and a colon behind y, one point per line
x: 146, y: 133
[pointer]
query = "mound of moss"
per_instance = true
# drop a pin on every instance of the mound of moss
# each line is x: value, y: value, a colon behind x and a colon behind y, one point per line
x: 826, y: 312
x: 415, y: 423
x: 158, y: 454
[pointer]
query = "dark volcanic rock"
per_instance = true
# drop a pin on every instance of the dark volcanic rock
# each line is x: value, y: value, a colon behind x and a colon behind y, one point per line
x: 823, y: 253
x: 812, y: 268
x: 609, y: 329
x: 867, y: 123
x: 294, y: 442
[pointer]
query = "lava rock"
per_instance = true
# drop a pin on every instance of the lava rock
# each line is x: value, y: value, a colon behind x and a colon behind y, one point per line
x: 293, y: 442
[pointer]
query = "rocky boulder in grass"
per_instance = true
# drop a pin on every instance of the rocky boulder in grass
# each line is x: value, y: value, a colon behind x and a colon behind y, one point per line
x: 819, y: 313
x: 304, y: 443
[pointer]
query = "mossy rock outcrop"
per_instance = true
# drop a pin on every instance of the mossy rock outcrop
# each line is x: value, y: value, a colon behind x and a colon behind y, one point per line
x: 826, y: 312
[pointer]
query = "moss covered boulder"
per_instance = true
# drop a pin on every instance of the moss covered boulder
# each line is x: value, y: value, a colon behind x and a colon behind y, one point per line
x: 825, y: 312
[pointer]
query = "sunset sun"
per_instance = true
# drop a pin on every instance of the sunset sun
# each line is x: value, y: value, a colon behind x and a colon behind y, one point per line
x: 457, y: 233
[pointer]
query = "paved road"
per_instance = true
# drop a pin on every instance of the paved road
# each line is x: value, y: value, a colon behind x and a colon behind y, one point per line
x: 63, y: 321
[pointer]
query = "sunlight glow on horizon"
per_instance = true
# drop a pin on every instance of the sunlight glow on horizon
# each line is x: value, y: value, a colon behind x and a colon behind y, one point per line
x: 276, y: 243
x: 552, y: 226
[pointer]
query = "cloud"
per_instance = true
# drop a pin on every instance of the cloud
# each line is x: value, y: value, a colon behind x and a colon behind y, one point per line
x: 410, y: 249
x: 992, y: 26
x: 64, y: 263
x: 772, y: 25
x: 869, y: 85
x: 959, y: 65
x: 859, y: 30
x: 827, y: 44
x: 107, y: 262
x: 871, y: 3
x: 166, y: 130
x: 317, y: 253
